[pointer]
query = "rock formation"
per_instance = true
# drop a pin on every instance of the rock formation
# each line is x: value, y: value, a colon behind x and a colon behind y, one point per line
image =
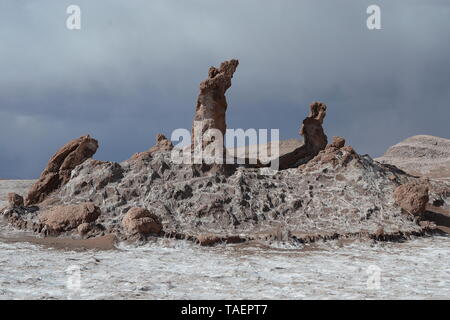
x: 338, y: 142
x: 15, y: 200
x: 412, y: 197
x: 327, y: 191
x: 68, y: 217
x: 141, y: 221
x: 421, y: 155
x: 162, y: 144
x: 59, y: 168
x: 314, y: 138
x: 338, y: 193
x: 212, y: 103
x: 335, y: 154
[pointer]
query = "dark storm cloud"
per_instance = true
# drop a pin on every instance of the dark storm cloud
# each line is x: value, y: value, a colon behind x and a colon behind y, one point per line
x: 133, y: 70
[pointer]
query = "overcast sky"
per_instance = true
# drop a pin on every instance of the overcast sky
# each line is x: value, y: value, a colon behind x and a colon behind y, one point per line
x: 134, y: 68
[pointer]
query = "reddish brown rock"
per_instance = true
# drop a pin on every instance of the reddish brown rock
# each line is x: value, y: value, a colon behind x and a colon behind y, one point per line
x: 349, y: 149
x: 14, y: 200
x: 212, y: 103
x: 65, y: 218
x: 338, y: 142
x: 337, y: 157
x: 162, y: 144
x: 84, y: 228
x: 315, y: 139
x: 412, y: 197
x: 141, y: 221
x: 60, y: 166
x: 206, y: 240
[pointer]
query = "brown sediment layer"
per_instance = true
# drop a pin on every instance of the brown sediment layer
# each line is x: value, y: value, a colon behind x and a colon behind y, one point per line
x: 108, y: 242
x: 379, y: 236
x: 212, y: 239
x: 99, y: 243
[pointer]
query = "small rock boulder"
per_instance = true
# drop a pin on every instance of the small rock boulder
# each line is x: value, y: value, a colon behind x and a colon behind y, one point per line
x: 338, y: 142
x: 84, y: 228
x: 65, y: 218
x: 412, y: 197
x: 14, y: 200
x: 141, y: 221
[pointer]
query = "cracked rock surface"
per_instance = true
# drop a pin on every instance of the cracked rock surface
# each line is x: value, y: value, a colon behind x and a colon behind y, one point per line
x: 337, y: 194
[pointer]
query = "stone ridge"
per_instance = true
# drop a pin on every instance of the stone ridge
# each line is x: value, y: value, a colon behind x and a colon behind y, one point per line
x: 421, y: 155
x: 337, y: 194
x: 60, y: 166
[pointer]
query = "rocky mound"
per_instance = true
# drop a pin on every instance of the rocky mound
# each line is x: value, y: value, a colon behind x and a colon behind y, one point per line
x: 60, y: 166
x: 324, y: 191
x: 337, y: 194
x: 421, y: 155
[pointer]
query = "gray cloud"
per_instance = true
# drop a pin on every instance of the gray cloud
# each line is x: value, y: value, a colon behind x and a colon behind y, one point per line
x: 134, y: 69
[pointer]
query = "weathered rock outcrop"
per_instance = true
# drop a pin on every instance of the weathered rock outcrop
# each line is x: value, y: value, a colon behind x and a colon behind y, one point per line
x: 162, y: 144
x: 141, y: 221
x: 15, y: 200
x: 412, y: 197
x: 338, y: 142
x: 68, y: 217
x: 314, y: 138
x: 212, y: 103
x: 327, y: 191
x: 59, y: 168
x: 421, y: 155
x: 337, y: 193
x: 335, y: 156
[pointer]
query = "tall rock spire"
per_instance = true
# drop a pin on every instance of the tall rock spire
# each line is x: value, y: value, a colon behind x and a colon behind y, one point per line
x: 212, y: 103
